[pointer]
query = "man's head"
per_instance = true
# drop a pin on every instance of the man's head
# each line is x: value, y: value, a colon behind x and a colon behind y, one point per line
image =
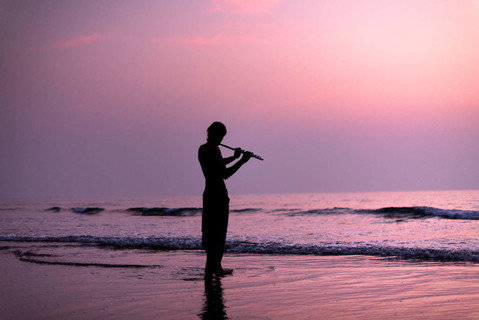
x: 216, y: 132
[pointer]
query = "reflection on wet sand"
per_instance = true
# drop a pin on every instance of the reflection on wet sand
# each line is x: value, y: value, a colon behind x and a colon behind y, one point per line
x: 213, y: 307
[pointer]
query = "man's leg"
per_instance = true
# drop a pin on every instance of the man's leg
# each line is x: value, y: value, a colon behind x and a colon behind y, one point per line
x: 213, y: 260
x: 213, y: 263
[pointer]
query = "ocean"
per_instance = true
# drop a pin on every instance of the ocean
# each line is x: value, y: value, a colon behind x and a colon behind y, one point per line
x: 423, y: 226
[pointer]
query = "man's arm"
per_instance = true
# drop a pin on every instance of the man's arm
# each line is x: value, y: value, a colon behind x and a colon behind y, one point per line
x: 231, y: 170
x: 237, y: 154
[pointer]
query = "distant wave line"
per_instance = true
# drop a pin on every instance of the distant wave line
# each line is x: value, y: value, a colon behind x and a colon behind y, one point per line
x: 393, y: 212
x: 148, y: 211
x: 413, y: 212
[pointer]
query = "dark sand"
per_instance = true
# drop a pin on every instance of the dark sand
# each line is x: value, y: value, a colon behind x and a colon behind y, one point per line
x: 262, y: 287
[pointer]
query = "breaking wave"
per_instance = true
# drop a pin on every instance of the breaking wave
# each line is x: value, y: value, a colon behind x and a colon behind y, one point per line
x: 162, y: 211
x: 180, y: 212
x: 148, y: 211
x: 248, y: 247
x: 395, y: 212
x: 81, y: 210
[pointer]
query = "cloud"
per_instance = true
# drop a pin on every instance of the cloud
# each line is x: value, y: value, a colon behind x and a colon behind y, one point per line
x: 79, y: 41
x: 200, y: 40
x: 243, y: 6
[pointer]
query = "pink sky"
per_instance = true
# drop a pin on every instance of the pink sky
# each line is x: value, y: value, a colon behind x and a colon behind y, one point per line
x: 110, y: 98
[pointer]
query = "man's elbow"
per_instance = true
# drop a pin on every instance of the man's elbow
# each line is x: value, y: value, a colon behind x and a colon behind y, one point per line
x: 227, y: 174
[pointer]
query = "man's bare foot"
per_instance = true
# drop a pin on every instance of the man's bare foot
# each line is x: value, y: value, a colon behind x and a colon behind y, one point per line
x: 226, y: 271
x: 218, y: 272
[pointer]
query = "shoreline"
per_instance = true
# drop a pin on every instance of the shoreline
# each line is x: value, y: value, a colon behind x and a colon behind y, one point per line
x: 262, y: 287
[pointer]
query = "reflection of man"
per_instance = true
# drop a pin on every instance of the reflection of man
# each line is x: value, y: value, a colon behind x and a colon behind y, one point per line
x: 215, y: 197
x: 213, y: 307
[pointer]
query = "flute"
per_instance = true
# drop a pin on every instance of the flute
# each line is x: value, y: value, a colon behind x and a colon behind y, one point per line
x: 242, y: 151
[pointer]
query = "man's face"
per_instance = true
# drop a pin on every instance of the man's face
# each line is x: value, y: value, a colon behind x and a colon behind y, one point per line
x: 216, y: 139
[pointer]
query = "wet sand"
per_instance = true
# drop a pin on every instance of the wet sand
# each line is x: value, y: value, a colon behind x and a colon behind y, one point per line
x: 262, y: 287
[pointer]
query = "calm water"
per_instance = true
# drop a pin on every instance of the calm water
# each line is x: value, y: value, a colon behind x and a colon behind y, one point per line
x: 437, y: 226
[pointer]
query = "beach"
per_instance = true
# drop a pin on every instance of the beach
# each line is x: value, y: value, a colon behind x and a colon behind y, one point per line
x: 399, y: 255
x: 262, y: 287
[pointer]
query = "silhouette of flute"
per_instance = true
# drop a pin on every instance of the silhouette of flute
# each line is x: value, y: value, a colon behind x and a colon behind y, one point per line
x: 242, y: 151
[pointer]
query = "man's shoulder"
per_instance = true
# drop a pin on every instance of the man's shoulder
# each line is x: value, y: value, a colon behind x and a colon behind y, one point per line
x: 202, y: 148
x: 208, y: 151
x: 208, y: 147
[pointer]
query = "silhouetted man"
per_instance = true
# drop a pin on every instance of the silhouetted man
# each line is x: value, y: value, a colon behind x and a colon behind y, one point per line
x: 215, y: 197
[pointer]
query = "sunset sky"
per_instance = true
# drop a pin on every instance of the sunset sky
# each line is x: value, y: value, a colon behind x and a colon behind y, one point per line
x: 113, y: 98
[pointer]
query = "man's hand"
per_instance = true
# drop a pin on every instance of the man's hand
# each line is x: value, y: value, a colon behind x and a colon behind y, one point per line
x: 246, y: 156
x: 238, y: 152
x: 231, y: 170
